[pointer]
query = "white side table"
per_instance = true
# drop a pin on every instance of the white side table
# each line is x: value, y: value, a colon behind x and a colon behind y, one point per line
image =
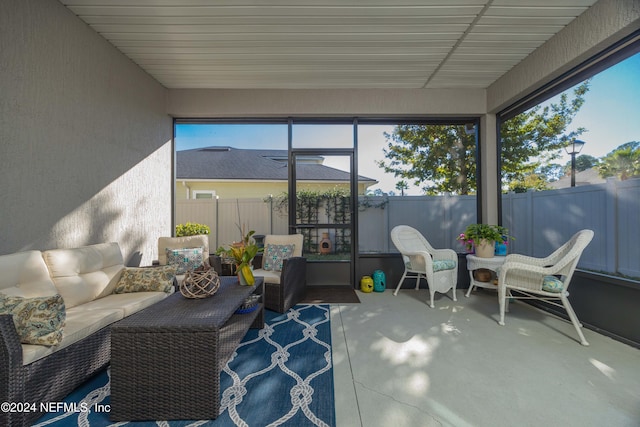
x: 475, y: 262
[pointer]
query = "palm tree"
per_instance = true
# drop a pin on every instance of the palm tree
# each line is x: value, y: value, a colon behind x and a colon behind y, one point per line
x: 623, y: 162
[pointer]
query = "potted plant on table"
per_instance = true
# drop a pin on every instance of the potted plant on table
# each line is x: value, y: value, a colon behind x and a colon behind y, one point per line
x: 483, y: 238
x: 242, y: 253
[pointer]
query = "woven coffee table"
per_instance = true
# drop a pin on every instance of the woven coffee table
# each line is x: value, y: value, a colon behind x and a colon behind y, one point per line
x: 166, y: 360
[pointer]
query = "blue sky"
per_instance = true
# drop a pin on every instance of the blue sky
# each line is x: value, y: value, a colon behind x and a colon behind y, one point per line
x: 611, y: 115
x: 611, y: 112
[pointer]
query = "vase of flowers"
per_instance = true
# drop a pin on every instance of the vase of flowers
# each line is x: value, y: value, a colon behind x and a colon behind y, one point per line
x: 483, y: 238
x: 242, y: 253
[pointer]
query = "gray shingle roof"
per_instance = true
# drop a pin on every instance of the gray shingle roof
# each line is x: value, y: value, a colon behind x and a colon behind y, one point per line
x: 235, y: 163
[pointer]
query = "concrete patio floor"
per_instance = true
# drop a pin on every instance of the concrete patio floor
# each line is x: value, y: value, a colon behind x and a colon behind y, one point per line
x: 398, y: 362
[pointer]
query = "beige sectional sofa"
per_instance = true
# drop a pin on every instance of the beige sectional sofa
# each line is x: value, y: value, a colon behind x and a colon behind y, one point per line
x: 96, y: 289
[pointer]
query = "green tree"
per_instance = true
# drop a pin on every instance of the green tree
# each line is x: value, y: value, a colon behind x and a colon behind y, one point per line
x: 437, y: 158
x: 401, y: 186
x: 442, y: 158
x: 623, y: 162
x: 530, y: 181
x: 537, y: 136
x: 551, y: 172
x: 583, y: 162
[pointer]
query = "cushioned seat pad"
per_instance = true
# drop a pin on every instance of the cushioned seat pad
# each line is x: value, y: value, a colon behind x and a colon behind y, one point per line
x: 80, y: 324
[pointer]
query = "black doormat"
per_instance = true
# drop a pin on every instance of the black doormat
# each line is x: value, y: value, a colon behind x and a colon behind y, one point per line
x: 330, y: 295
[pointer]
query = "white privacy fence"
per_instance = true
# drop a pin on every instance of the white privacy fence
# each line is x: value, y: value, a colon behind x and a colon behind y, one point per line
x: 540, y: 221
x: 224, y: 216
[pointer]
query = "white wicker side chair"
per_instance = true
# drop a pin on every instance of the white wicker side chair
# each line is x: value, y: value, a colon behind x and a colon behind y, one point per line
x: 545, y: 279
x: 438, y: 266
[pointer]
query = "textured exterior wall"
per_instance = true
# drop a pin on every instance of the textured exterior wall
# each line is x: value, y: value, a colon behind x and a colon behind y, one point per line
x: 600, y: 26
x: 318, y: 103
x: 85, y: 142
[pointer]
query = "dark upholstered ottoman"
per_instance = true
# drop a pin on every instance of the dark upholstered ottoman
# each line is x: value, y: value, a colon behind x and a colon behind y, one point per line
x: 166, y: 359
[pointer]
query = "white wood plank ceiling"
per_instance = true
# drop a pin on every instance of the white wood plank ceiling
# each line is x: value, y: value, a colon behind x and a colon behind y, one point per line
x: 327, y: 43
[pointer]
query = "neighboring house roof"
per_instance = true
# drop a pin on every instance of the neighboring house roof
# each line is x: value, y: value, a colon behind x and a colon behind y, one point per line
x: 240, y: 164
x: 585, y: 177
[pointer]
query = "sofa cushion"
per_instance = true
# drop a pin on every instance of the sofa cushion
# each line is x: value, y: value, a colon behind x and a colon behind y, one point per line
x: 86, y: 273
x: 127, y: 303
x: 158, y: 279
x: 274, y: 256
x: 185, y: 259
x: 25, y: 274
x: 38, y: 320
x: 80, y: 324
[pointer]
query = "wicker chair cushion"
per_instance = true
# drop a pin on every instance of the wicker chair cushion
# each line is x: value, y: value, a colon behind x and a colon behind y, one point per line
x: 185, y: 259
x: 274, y: 256
x: 552, y: 284
x: 38, y: 320
x: 158, y: 279
x: 445, y: 264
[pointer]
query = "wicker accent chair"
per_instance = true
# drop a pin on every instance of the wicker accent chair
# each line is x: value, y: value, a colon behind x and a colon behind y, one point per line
x: 438, y: 266
x: 545, y: 279
x: 283, y: 289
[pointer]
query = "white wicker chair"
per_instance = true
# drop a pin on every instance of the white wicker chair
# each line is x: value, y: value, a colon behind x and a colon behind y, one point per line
x: 545, y: 279
x: 438, y: 266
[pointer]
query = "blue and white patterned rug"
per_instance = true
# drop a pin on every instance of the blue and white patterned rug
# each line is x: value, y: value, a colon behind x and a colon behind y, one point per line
x: 279, y: 375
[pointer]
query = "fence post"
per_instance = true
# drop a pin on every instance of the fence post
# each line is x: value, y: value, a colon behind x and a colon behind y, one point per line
x: 530, y: 222
x: 217, y: 221
x: 611, y: 237
x: 271, y: 214
x: 447, y: 219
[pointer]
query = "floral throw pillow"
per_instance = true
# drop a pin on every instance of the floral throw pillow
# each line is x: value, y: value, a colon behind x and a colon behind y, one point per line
x: 185, y: 259
x: 38, y: 320
x: 274, y: 256
x: 154, y: 279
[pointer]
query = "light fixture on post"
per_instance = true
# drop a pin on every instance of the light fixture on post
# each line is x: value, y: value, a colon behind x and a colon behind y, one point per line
x: 574, y: 148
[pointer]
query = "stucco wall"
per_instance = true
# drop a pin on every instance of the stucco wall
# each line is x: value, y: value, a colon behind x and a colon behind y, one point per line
x: 85, y: 141
x: 317, y: 103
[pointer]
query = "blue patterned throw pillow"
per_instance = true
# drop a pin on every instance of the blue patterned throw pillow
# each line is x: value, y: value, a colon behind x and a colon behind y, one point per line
x: 274, y: 256
x: 38, y: 320
x: 552, y: 284
x: 185, y: 259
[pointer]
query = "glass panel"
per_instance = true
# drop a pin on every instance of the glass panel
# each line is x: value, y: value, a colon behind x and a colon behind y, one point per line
x: 327, y: 244
x: 245, y: 165
x: 540, y: 159
x: 322, y: 136
x: 323, y: 189
x: 422, y: 175
x: 323, y: 206
x: 237, y: 135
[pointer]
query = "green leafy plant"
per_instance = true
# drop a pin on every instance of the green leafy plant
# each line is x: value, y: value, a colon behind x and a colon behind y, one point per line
x: 478, y: 232
x: 191, y: 229
x: 242, y: 253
